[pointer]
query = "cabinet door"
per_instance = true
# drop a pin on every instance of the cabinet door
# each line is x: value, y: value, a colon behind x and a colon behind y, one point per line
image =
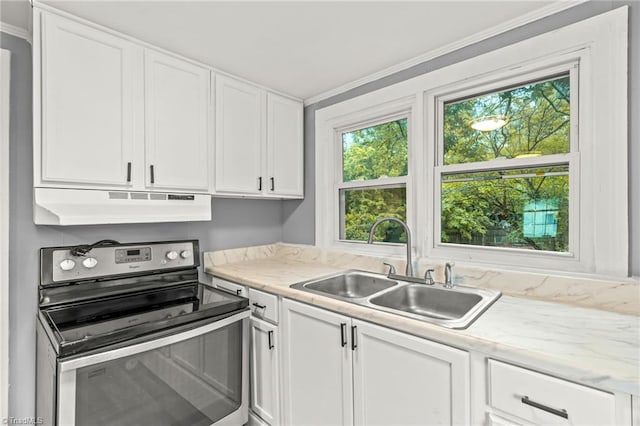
x: 401, y: 379
x: 265, y: 375
x: 87, y: 96
x: 284, y: 147
x: 317, y: 367
x: 176, y: 115
x: 239, y: 137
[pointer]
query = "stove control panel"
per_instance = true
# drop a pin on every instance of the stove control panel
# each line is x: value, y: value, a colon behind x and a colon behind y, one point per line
x: 60, y: 265
x: 137, y: 254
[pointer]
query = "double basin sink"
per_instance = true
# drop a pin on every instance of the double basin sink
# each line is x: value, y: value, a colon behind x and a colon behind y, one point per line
x: 455, y: 307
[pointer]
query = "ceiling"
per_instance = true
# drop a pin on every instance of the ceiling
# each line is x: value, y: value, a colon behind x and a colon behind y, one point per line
x: 303, y: 48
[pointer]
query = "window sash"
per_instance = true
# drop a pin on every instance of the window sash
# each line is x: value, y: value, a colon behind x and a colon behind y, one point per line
x: 398, y: 113
x: 544, y: 73
x: 341, y: 206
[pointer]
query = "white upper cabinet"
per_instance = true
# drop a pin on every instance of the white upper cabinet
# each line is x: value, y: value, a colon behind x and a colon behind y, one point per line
x: 87, y: 94
x: 239, y: 137
x: 259, y: 142
x: 116, y: 115
x: 176, y: 114
x: 284, y: 146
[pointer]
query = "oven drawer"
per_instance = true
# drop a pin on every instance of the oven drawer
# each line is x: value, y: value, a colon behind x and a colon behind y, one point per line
x: 263, y: 305
x: 547, y: 400
x: 237, y: 289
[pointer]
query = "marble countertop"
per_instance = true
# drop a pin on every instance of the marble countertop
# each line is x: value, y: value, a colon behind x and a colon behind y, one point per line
x: 589, y: 346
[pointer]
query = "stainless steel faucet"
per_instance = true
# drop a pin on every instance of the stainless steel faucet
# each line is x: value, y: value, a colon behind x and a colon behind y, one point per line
x: 448, y: 276
x: 409, y: 269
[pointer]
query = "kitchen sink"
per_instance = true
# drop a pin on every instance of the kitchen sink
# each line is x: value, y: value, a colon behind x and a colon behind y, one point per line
x: 455, y: 307
x: 348, y: 285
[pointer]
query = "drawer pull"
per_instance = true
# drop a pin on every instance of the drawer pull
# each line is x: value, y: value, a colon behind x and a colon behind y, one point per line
x: 343, y: 334
x: 561, y: 413
x: 236, y: 293
x: 259, y: 306
x: 270, y: 338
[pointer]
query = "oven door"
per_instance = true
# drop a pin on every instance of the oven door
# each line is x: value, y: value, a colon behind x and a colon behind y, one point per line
x: 195, y: 377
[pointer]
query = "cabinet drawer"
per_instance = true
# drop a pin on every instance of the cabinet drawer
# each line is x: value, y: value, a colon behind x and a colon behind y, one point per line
x: 543, y: 399
x: 263, y: 305
x: 234, y: 288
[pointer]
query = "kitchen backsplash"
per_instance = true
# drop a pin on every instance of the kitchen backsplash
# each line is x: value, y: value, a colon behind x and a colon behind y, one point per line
x: 615, y: 296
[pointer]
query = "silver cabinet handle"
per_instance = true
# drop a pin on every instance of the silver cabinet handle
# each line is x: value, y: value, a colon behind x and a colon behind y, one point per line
x: 558, y: 412
x: 343, y: 334
x: 273, y: 184
x: 152, y: 174
x: 129, y: 172
x: 259, y: 306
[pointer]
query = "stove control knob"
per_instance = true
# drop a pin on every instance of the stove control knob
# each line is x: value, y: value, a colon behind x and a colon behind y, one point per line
x: 67, y: 265
x: 90, y: 262
x: 172, y: 255
x: 185, y: 254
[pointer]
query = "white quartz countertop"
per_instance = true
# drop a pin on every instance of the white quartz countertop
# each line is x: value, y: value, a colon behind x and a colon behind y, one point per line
x: 589, y: 346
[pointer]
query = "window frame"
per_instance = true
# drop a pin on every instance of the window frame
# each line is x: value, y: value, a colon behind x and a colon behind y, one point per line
x: 329, y: 164
x: 379, y: 183
x: 540, y: 71
x: 599, y: 44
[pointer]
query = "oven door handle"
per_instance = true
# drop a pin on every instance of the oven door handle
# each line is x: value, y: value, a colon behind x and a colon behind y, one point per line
x: 125, y: 351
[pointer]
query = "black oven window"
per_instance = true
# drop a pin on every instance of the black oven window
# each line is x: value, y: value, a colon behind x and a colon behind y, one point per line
x: 193, y: 382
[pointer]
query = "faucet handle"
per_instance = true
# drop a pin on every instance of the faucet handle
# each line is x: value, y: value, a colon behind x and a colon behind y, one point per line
x: 428, y: 279
x: 392, y: 269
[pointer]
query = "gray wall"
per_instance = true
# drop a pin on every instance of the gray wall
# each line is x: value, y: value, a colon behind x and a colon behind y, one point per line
x: 299, y: 224
x: 236, y: 223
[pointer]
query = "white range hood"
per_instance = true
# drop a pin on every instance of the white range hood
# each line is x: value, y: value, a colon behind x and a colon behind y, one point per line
x: 57, y: 206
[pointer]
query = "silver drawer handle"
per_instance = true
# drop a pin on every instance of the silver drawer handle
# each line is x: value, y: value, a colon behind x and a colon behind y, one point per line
x: 561, y: 412
x: 257, y: 305
x: 235, y: 293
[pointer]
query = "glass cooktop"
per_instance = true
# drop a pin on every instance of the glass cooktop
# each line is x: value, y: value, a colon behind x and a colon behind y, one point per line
x: 93, y: 324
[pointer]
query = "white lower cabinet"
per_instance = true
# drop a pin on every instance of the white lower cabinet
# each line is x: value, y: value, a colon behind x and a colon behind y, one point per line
x: 519, y: 396
x: 317, y: 367
x: 399, y: 379
x: 342, y: 371
x: 265, y: 371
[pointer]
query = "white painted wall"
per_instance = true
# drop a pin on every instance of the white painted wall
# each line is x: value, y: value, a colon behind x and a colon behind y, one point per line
x: 5, y: 84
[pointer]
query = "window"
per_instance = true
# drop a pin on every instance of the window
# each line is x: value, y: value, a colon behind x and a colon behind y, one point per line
x: 516, y: 158
x: 504, y: 178
x: 373, y: 181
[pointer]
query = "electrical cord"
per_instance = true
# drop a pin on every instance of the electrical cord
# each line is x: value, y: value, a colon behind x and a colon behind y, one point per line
x: 84, y: 249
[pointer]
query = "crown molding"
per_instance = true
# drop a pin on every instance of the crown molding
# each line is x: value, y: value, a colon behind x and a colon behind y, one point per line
x: 551, y: 9
x: 15, y: 31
